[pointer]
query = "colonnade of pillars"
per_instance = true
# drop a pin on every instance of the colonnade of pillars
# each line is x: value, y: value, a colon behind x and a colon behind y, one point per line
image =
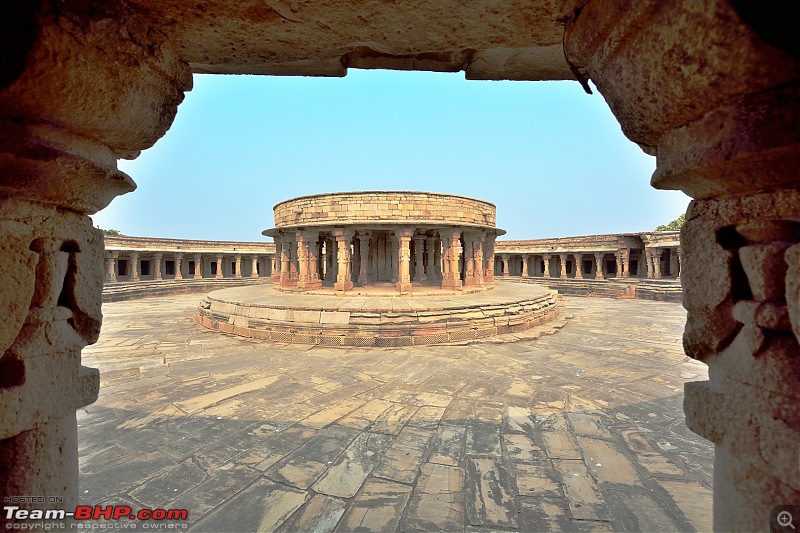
x: 346, y: 258
x: 185, y: 265
x: 649, y: 263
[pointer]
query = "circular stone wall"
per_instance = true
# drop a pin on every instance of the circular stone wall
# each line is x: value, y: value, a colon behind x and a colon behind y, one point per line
x: 384, y: 207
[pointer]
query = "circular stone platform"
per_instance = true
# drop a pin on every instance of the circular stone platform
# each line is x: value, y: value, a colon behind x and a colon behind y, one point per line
x: 375, y: 318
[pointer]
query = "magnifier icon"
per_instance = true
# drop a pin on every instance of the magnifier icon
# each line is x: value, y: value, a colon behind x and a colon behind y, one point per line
x: 785, y: 519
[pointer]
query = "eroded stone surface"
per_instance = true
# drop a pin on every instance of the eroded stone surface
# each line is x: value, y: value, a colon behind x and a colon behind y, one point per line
x: 328, y: 439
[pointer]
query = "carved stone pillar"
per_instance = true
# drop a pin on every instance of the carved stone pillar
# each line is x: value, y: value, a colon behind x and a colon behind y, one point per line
x: 395, y: 258
x: 473, y: 258
x: 563, y: 264
x: 308, y: 278
x: 679, y: 253
x: 506, y: 270
x: 547, y: 258
x: 726, y: 133
x: 111, y: 267
x: 277, y: 261
x: 198, y: 266
x: 524, y: 265
x: 419, y: 254
x: 598, y: 263
x: 238, y: 266
x: 178, y: 266
x: 404, y: 259
x: 254, y: 266
x: 451, y: 277
x: 134, y: 267
x: 488, y: 259
x: 430, y: 270
x: 578, y: 266
x: 220, y: 265
x: 157, y: 258
x: 344, y: 281
x: 363, y: 249
x: 648, y: 254
x: 83, y: 86
x: 657, y: 262
x: 626, y: 263
x: 286, y: 259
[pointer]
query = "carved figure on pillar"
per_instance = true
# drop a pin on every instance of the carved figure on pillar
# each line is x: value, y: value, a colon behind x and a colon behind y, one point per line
x: 344, y: 281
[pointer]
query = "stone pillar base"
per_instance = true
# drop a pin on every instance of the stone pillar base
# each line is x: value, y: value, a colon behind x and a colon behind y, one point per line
x: 343, y: 286
x: 403, y: 287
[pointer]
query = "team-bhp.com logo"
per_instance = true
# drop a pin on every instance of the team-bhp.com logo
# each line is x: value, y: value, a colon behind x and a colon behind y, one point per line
x: 92, y: 513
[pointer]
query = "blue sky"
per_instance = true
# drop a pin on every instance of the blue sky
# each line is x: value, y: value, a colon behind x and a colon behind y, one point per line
x: 550, y: 157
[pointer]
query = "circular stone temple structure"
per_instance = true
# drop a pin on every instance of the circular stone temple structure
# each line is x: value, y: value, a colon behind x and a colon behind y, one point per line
x: 381, y: 237
x: 383, y: 268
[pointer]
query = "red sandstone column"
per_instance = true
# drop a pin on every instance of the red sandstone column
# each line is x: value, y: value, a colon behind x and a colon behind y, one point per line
x: 302, y: 261
x: 157, y: 257
x: 657, y: 263
x: 578, y: 266
x: 111, y: 264
x: 307, y: 241
x: 680, y: 261
x: 344, y: 281
x: 525, y: 273
x: 488, y: 258
x: 134, y: 266
x: 363, y: 249
x: 477, y: 250
x: 648, y: 254
x: 198, y: 266
x: 419, y: 254
x: 451, y: 277
x: 598, y: 262
x: 547, y: 258
x: 178, y: 266
x: 563, y: 270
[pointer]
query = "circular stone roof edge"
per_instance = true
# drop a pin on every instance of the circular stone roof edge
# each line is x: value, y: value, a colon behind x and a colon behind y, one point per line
x: 382, y: 192
x: 434, y: 223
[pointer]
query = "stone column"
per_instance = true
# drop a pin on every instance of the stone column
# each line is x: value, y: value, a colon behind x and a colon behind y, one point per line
x: 277, y: 261
x: 134, y: 267
x: 726, y: 134
x: 344, y: 281
x: 363, y: 249
x: 488, y: 259
x: 451, y: 277
x: 680, y: 262
x: 254, y: 266
x: 285, y: 260
x: 626, y: 263
x: 238, y: 263
x: 198, y: 266
x: 395, y: 258
x: 219, y: 273
x: 578, y: 266
x: 506, y: 270
x: 111, y: 267
x: 430, y: 272
x: 473, y: 258
x: 547, y: 258
x: 404, y: 259
x: 649, y: 262
x: 657, y: 262
x: 307, y: 260
x: 524, y: 265
x: 419, y: 255
x: 598, y: 262
x: 618, y: 263
x: 82, y: 86
x: 673, y: 261
x: 157, y: 259
x: 178, y: 266
x: 437, y: 258
x: 563, y: 260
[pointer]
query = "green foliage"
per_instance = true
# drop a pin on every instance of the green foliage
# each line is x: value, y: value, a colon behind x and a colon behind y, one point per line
x: 114, y: 232
x: 674, y: 225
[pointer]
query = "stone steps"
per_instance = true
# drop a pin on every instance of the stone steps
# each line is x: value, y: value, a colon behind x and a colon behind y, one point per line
x: 115, y: 292
x: 660, y: 290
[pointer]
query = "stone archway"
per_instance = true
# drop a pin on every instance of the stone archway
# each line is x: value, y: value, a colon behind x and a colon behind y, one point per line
x: 710, y: 89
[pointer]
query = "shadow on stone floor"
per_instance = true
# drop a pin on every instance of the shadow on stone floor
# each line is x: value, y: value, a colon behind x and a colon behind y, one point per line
x: 632, y: 468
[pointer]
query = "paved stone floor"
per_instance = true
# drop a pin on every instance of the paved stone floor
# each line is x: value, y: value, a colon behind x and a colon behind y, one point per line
x: 581, y: 430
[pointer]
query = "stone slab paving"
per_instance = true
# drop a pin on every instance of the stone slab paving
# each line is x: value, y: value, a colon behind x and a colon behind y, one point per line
x: 582, y: 430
